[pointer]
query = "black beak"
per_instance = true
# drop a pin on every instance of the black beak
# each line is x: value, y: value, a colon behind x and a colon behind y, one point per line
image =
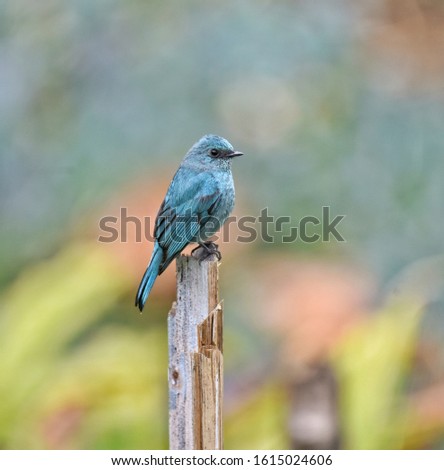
x: 235, y: 154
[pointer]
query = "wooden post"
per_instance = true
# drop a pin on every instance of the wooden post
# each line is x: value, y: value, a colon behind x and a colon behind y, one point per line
x: 195, y: 379
x: 313, y: 414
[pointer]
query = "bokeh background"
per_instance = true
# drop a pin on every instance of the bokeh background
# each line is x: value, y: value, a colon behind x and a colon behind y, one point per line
x: 335, y: 103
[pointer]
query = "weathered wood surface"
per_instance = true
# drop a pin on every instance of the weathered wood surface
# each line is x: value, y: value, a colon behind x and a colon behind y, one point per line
x: 195, y: 327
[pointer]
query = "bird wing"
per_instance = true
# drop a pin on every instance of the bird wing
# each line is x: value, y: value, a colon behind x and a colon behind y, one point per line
x: 189, y: 201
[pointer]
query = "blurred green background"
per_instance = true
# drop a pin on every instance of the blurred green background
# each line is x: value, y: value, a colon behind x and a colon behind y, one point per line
x: 335, y: 103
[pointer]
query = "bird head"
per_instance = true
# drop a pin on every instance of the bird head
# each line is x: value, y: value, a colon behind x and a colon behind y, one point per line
x: 213, y: 150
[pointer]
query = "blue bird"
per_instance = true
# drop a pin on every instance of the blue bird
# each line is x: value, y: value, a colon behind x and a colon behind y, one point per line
x: 198, y: 201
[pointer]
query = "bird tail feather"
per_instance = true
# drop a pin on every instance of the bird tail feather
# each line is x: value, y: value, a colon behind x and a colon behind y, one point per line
x: 149, y: 277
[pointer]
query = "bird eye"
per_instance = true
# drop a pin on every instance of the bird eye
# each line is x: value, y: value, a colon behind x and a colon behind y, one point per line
x: 214, y: 152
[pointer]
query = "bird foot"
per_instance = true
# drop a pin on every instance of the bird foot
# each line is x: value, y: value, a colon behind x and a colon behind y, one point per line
x: 207, y: 251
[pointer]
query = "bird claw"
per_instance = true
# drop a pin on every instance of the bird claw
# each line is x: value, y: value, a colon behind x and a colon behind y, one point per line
x: 205, y: 251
